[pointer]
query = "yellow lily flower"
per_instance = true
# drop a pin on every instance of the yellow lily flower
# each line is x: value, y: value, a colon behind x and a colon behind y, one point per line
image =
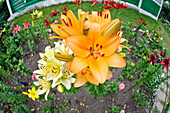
x: 70, y: 25
x: 66, y: 79
x: 43, y: 87
x: 39, y: 14
x: 50, y: 70
x: 96, y: 52
x: 4, y: 30
x: 34, y: 13
x: 32, y: 94
x: 49, y: 52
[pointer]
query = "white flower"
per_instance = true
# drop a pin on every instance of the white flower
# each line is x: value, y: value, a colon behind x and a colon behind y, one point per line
x: 43, y: 86
x: 49, y: 52
x: 66, y: 79
x: 62, y: 48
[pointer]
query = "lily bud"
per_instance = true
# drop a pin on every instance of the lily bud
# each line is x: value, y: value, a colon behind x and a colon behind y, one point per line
x: 113, y: 27
x: 60, y: 88
x: 63, y: 57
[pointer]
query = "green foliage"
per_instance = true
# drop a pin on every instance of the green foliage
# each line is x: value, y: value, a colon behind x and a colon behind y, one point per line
x: 62, y: 108
x: 155, y: 110
x: 73, y: 90
x: 115, y: 109
x: 142, y: 98
x: 113, y: 87
x: 11, y: 100
x: 31, y: 45
x: 47, y: 109
x: 97, y: 91
x: 22, y: 68
x: 127, y: 70
x: 4, y: 15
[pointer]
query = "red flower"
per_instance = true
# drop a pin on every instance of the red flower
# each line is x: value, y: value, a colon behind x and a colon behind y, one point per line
x: 139, y: 21
x: 152, y: 59
x: 47, y: 23
x: 107, y: 7
x: 77, y: 2
x: 118, y: 6
x: 54, y: 13
x: 144, y: 23
x: 161, y: 53
x: 111, y: 1
x: 65, y: 8
x: 166, y: 63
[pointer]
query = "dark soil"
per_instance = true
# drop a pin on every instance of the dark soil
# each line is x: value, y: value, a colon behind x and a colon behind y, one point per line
x: 81, y: 101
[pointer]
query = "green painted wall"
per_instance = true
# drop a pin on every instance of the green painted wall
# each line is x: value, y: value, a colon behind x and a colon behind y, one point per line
x: 151, y: 7
x: 17, y: 5
x: 134, y: 2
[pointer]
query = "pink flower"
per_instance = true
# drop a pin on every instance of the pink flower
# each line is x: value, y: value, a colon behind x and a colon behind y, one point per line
x: 121, y: 86
x: 33, y: 76
x: 56, y: 21
x: 65, y: 8
x: 50, y: 35
x: 12, y: 24
x: 122, y: 111
x: 94, y: 3
x: 47, y: 23
x: 148, y: 34
x: 26, y: 25
x: 135, y: 26
x: 16, y: 29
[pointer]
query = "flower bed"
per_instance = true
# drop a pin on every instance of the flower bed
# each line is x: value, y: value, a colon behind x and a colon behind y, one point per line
x: 84, y: 64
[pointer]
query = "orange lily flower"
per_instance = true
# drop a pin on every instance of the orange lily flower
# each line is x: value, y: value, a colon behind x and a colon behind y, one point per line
x: 69, y: 26
x: 122, y: 40
x: 86, y: 75
x: 101, y: 18
x: 95, y: 52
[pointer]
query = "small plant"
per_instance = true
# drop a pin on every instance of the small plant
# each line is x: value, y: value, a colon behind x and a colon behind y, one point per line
x: 62, y: 108
x: 115, y: 109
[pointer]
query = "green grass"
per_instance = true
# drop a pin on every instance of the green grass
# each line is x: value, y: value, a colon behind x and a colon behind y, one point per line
x: 127, y: 15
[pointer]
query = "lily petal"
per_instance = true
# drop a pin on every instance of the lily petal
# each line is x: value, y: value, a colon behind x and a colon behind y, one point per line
x: 99, y: 68
x: 94, y: 32
x: 79, y: 45
x: 115, y: 61
x: 109, y: 75
x: 109, y: 44
x: 78, y: 64
x: 80, y: 80
x: 66, y: 83
x: 74, y: 19
x: 92, y: 79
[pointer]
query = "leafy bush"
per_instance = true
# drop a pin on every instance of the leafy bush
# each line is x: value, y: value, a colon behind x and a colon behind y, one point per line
x: 4, y: 15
